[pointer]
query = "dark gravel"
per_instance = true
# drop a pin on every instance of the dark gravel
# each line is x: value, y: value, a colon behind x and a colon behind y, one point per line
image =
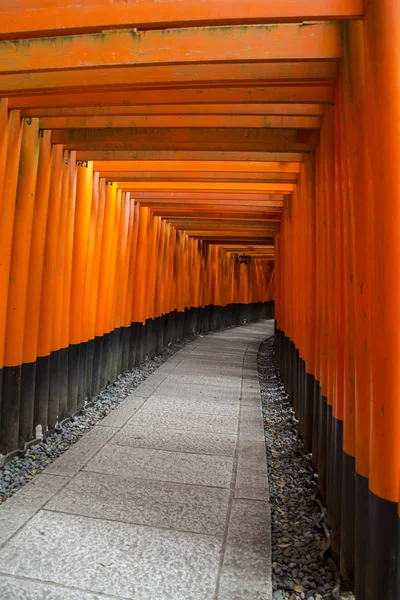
x: 22, y: 469
x: 298, y: 539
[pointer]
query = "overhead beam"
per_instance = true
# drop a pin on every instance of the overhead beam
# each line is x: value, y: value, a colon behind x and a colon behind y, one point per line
x: 180, y: 156
x: 256, y: 121
x: 205, y: 186
x: 218, y: 211
x: 234, y: 235
x: 217, y: 216
x: 304, y: 110
x: 226, y: 225
x: 205, y: 196
x: 233, y: 247
x: 178, y: 166
x: 203, y: 176
x: 239, y: 203
x: 291, y: 94
x: 170, y: 74
x: 210, y: 205
x: 289, y: 42
x: 194, y: 138
x: 248, y: 228
x: 27, y: 18
x: 228, y: 239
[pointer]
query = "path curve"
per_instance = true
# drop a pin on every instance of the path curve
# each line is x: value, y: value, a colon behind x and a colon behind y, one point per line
x: 166, y: 499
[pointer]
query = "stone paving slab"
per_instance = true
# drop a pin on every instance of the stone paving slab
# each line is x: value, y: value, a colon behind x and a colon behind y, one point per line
x: 246, y: 571
x: 186, y: 421
x: 209, y: 406
x: 196, y: 442
x: 161, y: 465
x: 78, y: 455
x: 166, y: 499
x: 252, y: 474
x: 22, y: 506
x: 120, y: 559
x: 193, y: 508
x: 12, y: 588
x: 125, y: 411
x: 182, y: 388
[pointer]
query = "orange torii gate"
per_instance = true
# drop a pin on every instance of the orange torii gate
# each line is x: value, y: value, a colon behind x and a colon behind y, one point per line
x: 145, y: 146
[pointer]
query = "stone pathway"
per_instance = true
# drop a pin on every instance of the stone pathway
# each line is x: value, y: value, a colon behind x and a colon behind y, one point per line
x: 166, y: 499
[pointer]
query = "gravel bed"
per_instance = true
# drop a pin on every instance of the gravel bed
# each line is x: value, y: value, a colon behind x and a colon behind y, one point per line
x: 299, y: 569
x: 22, y: 469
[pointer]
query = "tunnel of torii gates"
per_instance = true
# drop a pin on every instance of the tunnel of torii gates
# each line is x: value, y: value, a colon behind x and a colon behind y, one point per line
x: 145, y: 147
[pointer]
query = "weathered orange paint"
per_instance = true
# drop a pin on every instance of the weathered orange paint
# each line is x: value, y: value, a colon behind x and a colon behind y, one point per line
x: 304, y: 110
x: 69, y: 195
x: 36, y: 259
x: 105, y: 258
x: 7, y: 213
x: 21, y: 243
x: 287, y: 42
x: 47, y: 305
x: 193, y: 176
x: 260, y: 121
x: 174, y: 137
x: 45, y: 17
x: 250, y: 94
x: 184, y: 166
x: 78, y: 329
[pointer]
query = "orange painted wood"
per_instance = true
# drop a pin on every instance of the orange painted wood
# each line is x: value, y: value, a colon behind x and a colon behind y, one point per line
x: 245, y: 215
x: 21, y: 244
x: 36, y: 264
x: 306, y: 110
x: 207, y: 196
x: 273, y: 122
x: 78, y: 329
x: 169, y: 75
x: 193, y: 224
x: 173, y: 137
x: 98, y: 240
x: 141, y: 266
x: 3, y: 139
x: 381, y: 32
x: 59, y: 338
x: 220, y: 166
x: 289, y: 42
x: 218, y: 186
x: 88, y: 332
x: 105, y: 258
x: 27, y: 18
x: 7, y: 213
x: 132, y: 265
x: 193, y: 176
x: 69, y: 186
x: 177, y: 158
x: 50, y: 254
x: 113, y: 276
x: 220, y: 94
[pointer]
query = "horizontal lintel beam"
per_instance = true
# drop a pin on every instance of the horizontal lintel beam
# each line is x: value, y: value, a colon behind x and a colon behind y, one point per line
x: 177, y: 157
x: 257, y: 121
x: 291, y: 94
x: 206, y: 195
x: 172, y: 137
x: 27, y: 18
x: 168, y: 75
x: 289, y: 42
x: 184, y: 166
x: 198, y: 176
x: 198, y: 186
x: 304, y: 110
